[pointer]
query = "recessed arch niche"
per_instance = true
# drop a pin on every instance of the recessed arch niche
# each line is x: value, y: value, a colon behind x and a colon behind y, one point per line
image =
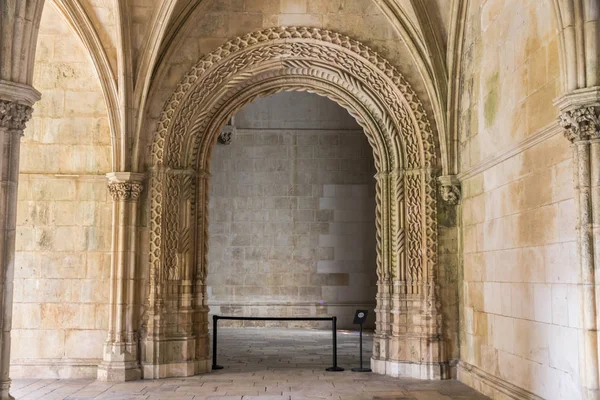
x: 408, y: 338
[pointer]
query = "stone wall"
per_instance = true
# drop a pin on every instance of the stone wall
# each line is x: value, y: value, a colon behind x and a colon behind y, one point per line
x: 292, y: 210
x: 63, y: 244
x: 520, y: 298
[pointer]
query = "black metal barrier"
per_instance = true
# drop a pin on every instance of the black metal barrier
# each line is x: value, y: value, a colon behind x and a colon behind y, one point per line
x: 333, y: 320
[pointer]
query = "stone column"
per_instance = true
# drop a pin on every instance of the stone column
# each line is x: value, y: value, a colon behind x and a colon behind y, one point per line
x: 14, y: 114
x: 200, y: 298
x: 121, y: 360
x: 383, y: 308
x: 580, y: 117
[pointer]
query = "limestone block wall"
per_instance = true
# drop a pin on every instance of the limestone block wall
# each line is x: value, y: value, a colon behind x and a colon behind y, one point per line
x: 292, y: 211
x: 520, y: 295
x: 63, y: 244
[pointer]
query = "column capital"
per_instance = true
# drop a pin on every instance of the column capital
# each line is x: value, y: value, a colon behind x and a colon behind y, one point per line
x: 450, y: 189
x: 581, y: 123
x: 125, y: 186
x: 13, y: 115
x: 580, y: 114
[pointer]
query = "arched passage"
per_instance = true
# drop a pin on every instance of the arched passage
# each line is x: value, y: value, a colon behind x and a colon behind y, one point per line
x: 408, y: 319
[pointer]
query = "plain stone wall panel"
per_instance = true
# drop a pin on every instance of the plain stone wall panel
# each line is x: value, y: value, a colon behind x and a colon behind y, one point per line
x: 64, y: 215
x: 519, y: 296
x: 305, y: 251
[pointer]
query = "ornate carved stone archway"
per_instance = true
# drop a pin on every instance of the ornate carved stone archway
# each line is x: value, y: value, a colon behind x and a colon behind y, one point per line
x: 408, y: 319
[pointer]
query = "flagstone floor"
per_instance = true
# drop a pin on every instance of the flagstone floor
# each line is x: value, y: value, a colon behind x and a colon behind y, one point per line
x: 263, y: 363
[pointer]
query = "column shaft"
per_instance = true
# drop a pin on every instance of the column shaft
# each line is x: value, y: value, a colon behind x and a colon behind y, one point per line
x: 9, y: 175
x: 580, y: 119
x: 13, y: 117
x: 121, y: 360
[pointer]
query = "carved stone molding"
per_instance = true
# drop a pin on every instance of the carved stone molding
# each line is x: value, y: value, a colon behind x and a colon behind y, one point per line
x: 13, y: 115
x: 450, y: 189
x: 354, y: 62
x: 125, y: 186
x: 405, y: 153
x: 582, y: 123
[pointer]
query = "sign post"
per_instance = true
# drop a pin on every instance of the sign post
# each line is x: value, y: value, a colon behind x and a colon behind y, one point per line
x: 359, y: 318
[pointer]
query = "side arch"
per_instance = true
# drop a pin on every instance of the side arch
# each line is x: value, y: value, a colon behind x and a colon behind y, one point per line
x: 408, y: 337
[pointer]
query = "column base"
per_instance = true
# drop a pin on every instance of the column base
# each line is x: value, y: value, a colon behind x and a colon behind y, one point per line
x: 177, y: 369
x: 121, y: 362
x: 119, y: 372
x: 4, y: 391
x: 405, y: 369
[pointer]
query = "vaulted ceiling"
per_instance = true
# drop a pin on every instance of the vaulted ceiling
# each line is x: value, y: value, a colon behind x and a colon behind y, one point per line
x: 130, y: 40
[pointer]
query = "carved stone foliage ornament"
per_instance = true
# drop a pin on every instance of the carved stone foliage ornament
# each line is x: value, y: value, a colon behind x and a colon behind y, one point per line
x: 125, y: 191
x: 298, y: 59
x: 14, y: 115
x: 582, y: 123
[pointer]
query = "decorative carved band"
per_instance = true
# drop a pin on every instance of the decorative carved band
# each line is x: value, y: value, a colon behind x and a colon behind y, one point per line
x: 581, y: 123
x: 125, y: 191
x: 355, y: 64
x: 14, y: 115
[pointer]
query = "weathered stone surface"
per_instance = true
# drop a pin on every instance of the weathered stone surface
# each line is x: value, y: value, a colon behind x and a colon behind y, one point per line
x: 486, y: 221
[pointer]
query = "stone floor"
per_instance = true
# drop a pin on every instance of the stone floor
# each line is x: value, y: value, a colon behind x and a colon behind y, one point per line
x: 269, y: 364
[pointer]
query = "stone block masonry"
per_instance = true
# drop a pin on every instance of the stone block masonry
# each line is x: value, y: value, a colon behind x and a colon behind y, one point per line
x: 292, y: 212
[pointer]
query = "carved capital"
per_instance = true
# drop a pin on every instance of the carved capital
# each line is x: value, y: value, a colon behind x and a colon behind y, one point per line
x: 581, y: 123
x: 124, y: 191
x: 125, y: 186
x: 450, y: 189
x: 13, y: 115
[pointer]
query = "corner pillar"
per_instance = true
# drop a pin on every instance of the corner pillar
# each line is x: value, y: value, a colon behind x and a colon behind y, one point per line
x: 15, y: 111
x: 176, y: 341
x: 580, y: 117
x: 121, y: 360
x: 407, y: 301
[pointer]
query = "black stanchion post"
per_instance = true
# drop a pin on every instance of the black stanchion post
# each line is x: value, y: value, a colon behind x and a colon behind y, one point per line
x: 360, y: 318
x: 335, y: 367
x: 214, y: 360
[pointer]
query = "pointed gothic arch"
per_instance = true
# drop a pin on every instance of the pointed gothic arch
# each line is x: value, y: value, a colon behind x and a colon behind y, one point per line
x: 408, y: 339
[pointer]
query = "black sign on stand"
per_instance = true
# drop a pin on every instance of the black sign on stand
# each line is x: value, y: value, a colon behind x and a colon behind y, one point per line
x: 359, y: 318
